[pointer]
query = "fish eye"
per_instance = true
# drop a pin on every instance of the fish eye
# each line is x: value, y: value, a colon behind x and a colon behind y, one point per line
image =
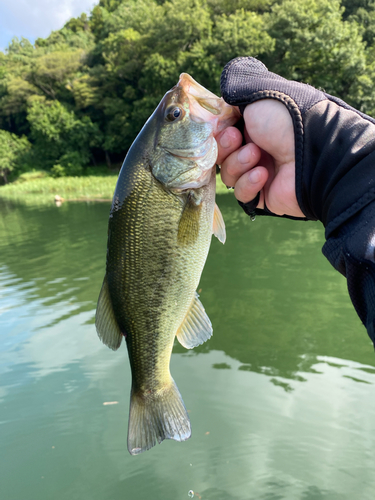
x: 173, y: 113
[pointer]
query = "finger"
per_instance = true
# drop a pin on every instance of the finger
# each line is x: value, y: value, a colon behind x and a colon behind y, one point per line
x: 239, y: 162
x: 228, y: 141
x: 250, y: 183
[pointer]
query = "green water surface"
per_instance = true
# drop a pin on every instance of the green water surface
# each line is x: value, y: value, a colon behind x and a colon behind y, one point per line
x: 281, y: 399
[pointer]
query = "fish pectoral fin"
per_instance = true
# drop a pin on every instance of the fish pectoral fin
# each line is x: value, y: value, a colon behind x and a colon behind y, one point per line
x: 105, y: 321
x: 218, y: 227
x: 196, y: 327
x: 188, y: 227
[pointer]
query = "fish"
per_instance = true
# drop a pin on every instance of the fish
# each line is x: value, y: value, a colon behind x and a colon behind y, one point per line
x: 161, y: 221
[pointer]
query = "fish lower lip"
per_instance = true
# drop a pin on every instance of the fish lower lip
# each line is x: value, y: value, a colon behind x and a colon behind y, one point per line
x: 192, y: 154
x: 196, y: 183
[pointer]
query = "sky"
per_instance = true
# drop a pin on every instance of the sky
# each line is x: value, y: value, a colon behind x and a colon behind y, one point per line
x: 33, y: 19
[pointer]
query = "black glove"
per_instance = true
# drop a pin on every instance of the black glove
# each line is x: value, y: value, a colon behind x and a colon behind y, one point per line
x: 334, y: 143
x: 335, y: 170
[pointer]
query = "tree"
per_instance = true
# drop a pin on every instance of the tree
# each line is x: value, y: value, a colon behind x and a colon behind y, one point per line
x: 314, y: 45
x: 60, y: 137
x: 91, y: 86
x: 363, y: 13
x: 52, y: 72
x: 13, y: 150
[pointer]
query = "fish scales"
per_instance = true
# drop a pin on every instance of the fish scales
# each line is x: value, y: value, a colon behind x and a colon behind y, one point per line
x: 155, y: 273
x: 161, y: 221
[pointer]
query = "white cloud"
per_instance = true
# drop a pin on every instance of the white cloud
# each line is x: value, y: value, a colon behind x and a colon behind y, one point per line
x: 37, y: 18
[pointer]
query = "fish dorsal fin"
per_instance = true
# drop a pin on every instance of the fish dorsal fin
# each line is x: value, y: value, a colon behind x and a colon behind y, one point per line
x: 196, y: 327
x: 218, y: 227
x: 105, y: 321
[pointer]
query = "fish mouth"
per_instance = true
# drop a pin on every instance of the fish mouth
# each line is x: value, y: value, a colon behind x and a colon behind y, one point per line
x: 196, y: 183
x: 204, y: 97
x: 206, y: 106
x: 193, y: 154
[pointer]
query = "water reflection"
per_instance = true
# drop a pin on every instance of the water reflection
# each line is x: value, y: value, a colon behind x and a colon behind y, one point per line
x: 274, y: 301
x: 299, y: 438
x: 57, y: 249
x: 280, y: 398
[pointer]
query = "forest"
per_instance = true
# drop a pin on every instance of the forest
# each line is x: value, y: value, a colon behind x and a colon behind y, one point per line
x: 75, y: 101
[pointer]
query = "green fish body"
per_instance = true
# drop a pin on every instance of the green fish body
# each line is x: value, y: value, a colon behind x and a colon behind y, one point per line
x: 162, y: 217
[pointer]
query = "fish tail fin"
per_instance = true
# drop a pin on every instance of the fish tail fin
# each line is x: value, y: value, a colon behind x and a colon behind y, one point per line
x: 156, y: 417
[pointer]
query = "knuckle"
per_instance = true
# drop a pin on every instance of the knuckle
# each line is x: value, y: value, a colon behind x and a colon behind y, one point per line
x: 244, y: 191
x: 231, y: 169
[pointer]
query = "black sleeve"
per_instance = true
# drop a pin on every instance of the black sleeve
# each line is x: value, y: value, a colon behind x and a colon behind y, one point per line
x: 335, y: 170
x: 351, y: 250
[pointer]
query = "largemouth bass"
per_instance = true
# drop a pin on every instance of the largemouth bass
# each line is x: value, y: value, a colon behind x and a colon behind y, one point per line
x: 161, y: 221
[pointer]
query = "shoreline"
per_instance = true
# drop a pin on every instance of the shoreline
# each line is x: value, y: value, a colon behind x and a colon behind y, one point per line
x: 44, y: 190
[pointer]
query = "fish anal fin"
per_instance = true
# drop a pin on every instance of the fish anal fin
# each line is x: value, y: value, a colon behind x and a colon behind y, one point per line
x: 105, y: 321
x: 196, y: 327
x: 155, y: 417
x: 218, y: 227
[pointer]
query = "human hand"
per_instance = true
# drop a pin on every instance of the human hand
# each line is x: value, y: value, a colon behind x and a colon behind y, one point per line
x: 266, y: 163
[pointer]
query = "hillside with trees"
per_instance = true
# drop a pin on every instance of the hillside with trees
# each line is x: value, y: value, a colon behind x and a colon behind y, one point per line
x: 78, y: 98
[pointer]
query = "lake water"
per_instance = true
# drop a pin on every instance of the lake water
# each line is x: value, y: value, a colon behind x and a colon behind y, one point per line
x: 281, y: 399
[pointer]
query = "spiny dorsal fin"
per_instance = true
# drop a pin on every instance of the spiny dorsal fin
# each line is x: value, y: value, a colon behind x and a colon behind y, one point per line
x: 218, y: 227
x: 105, y: 321
x: 196, y: 327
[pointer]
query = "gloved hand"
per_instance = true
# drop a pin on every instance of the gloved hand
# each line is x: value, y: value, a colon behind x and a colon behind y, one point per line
x: 313, y: 157
x: 334, y: 144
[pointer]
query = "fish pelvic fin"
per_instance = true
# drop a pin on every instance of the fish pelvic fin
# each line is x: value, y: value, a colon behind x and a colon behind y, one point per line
x: 218, y: 227
x: 196, y: 327
x: 153, y: 418
x: 105, y: 321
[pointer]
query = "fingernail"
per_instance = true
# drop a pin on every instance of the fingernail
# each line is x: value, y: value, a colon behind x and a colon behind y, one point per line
x: 225, y: 141
x: 244, y: 156
x: 254, y: 177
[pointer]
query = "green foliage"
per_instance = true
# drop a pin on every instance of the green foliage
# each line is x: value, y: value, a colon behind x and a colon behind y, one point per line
x: 362, y: 12
x: 78, y: 24
x: 13, y: 150
x: 110, y: 5
x: 61, y: 140
x: 70, y: 164
x: 351, y: 6
x: 238, y: 34
x: 53, y: 72
x: 230, y: 6
x: 20, y: 47
x: 315, y: 46
x: 86, y: 90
